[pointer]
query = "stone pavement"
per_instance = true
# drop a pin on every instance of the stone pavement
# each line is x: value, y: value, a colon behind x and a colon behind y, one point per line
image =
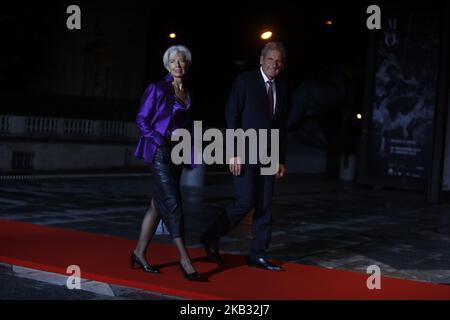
x: 319, y: 222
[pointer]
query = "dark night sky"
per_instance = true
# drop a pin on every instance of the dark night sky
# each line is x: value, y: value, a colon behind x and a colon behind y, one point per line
x: 219, y: 33
x: 224, y: 33
x: 228, y: 31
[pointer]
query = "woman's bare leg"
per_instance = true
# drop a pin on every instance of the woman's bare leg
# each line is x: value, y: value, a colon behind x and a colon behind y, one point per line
x: 148, y: 228
x: 185, y: 260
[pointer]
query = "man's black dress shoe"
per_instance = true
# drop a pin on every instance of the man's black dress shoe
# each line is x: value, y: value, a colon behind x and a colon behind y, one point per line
x: 211, y: 251
x: 264, y: 264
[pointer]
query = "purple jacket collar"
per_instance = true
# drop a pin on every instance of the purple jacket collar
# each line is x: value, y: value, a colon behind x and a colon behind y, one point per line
x: 168, y: 78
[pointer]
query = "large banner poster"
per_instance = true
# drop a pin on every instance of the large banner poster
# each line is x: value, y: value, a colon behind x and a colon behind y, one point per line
x: 405, y: 95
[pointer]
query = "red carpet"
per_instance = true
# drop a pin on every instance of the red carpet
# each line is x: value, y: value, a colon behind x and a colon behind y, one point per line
x: 106, y: 259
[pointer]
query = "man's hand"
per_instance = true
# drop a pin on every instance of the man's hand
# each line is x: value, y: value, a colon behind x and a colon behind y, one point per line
x: 281, y: 171
x: 236, y: 166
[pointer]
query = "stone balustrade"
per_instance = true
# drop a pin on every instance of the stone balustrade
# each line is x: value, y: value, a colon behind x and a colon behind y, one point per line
x: 18, y: 126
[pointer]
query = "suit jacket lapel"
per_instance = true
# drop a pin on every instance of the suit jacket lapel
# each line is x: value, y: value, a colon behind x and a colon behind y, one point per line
x: 261, y: 86
x: 262, y: 92
x: 279, y: 103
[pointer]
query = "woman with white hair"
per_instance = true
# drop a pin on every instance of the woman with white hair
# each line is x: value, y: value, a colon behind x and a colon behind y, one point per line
x: 165, y: 107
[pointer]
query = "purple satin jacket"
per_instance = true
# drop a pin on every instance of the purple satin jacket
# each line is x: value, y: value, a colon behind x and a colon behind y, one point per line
x: 159, y: 112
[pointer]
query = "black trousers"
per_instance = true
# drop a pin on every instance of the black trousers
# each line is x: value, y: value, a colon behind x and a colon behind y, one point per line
x: 166, y: 190
x: 252, y: 191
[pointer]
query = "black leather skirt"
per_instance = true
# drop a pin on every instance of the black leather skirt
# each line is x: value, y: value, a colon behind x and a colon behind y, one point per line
x: 166, y: 190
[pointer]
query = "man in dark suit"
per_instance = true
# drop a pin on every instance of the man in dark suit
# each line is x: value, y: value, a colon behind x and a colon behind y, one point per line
x: 258, y: 100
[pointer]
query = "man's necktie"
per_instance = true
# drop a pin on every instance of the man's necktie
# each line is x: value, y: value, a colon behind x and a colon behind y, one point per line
x: 270, y: 98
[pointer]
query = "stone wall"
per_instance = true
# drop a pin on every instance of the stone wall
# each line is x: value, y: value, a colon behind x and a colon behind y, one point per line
x: 50, y: 144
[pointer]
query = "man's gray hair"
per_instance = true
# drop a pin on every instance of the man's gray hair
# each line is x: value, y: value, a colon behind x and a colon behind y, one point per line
x: 181, y: 49
x: 274, y: 46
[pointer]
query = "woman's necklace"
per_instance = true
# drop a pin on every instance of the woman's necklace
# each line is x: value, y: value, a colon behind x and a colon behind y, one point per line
x: 179, y: 92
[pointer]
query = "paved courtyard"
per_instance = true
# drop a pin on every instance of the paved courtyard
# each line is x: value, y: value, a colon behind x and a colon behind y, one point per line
x: 317, y: 221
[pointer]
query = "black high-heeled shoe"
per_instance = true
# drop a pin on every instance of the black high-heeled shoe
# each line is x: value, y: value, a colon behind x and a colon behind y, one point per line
x: 190, y: 276
x: 146, y: 268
